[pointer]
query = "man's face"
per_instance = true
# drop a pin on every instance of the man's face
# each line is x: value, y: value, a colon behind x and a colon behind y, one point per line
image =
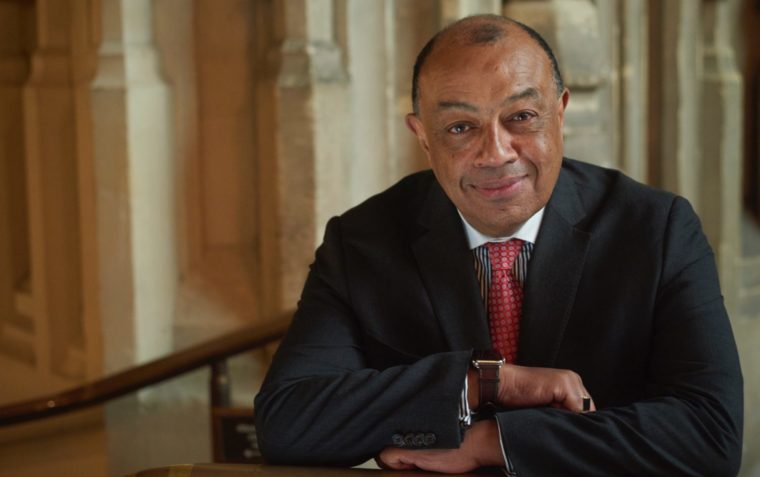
x: 490, y: 121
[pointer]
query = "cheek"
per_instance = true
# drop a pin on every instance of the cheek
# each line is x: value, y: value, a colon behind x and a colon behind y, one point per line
x: 546, y: 176
x: 545, y: 159
x: 454, y: 144
x: 456, y: 148
x: 451, y: 162
x: 443, y: 166
x: 543, y: 152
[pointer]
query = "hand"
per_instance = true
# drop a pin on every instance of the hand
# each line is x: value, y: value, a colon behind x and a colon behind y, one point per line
x: 522, y: 386
x: 481, y: 447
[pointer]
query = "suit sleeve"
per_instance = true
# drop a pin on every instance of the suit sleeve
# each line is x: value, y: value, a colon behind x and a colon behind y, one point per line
x: 320, y: 402
x: 690, y: 419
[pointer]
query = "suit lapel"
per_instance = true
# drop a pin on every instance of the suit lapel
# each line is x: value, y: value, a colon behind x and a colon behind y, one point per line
x: 553, y: 275
x: 447, y: 269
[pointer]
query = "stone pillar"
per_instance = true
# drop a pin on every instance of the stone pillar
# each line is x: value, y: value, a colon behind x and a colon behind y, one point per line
x: 675, y: 112
x: 49, y: 330
x: 211, y: 56
x: 633, y: 73
x: 302, y: 123
x: 696, y: 129
x: 371, y: 64
x: 720, y: 141
x: 175, y: 40
x: 16, y: 327
x: 132, y: 137
x: 56, y: 121
x: 135, y: 188
x: 409, y: 28
x: 382, y: 41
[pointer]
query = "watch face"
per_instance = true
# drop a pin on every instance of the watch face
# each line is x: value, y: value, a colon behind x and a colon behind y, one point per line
x: 488, y: 356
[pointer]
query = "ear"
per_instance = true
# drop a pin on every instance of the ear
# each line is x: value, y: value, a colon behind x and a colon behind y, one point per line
x: 565, y: 98
x: 415, y: 125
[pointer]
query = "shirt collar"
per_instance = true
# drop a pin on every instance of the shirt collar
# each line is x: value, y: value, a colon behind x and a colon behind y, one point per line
x: 527, y: 231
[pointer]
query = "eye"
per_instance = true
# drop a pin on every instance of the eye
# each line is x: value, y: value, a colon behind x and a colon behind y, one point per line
x: 459, y: 128
x: 522, y: 116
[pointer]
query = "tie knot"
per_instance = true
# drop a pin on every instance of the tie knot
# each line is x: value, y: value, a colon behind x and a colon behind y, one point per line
x: 502, y: 255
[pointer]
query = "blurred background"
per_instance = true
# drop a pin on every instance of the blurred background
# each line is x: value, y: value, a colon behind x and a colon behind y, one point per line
x: 167, y: 167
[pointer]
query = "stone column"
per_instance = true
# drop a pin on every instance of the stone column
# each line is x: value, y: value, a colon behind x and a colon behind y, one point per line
x: 301, y: 123
x: 56, y: 120
x: 696, y: 130
x: 410, y: 26
x: 674, y: 111
x: 132, y: 136
x: 633, y: 73
x: 175, y: 40
x: 135, y: 188
x: 370, y: 53
x: 720, y: 142
x: 210, y: 54
x: 16, y: 327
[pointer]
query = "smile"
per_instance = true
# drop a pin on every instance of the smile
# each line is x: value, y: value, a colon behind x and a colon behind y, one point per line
x: 504, y: 188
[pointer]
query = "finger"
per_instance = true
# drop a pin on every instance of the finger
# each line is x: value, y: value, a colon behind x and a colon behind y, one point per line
x: 394, y: 458
x: 587, y: 402
x: 578, y: 401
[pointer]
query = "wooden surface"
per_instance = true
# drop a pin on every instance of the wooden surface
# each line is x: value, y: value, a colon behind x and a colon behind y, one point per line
x: 264, y: 470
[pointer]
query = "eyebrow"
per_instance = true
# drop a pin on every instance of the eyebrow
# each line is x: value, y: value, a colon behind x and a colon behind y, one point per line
x: 526, y: 93
x: 456, y: 105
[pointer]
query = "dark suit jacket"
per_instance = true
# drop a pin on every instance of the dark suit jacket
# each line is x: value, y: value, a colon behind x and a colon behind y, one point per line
x: 622, y: 288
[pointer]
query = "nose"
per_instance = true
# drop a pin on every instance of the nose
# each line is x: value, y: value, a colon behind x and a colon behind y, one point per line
x: 496, y: 147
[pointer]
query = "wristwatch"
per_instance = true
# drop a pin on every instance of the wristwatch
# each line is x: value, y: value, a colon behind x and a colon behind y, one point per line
x: 488, y: 363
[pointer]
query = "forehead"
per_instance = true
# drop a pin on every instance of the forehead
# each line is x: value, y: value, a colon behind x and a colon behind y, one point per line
x: 512, y: 64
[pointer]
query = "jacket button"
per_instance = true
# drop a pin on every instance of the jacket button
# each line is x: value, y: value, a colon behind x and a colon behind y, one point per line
x: 430, y: 439
x: 419, y: 440
x: 409, y: 440
x: 398, y: 440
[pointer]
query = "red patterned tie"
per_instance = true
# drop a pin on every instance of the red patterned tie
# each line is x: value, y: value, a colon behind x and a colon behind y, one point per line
x: 505, y: 298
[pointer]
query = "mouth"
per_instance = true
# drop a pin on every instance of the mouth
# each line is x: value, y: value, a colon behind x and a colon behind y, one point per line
x: 503, y: 188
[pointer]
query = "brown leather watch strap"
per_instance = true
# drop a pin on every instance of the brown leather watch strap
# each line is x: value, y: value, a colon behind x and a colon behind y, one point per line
x: 488, y: 381
x: 488, y: 363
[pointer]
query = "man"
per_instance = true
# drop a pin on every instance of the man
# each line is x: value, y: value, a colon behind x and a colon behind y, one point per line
x: 601, y: 293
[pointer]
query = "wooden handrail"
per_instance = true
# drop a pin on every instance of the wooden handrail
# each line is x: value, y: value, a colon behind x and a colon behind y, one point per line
x: 138, y: 377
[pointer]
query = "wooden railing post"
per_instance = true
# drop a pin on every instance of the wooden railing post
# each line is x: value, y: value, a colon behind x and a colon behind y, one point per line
x: 219, y: 398
x: 219, y: 385
x: 233, y: 433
